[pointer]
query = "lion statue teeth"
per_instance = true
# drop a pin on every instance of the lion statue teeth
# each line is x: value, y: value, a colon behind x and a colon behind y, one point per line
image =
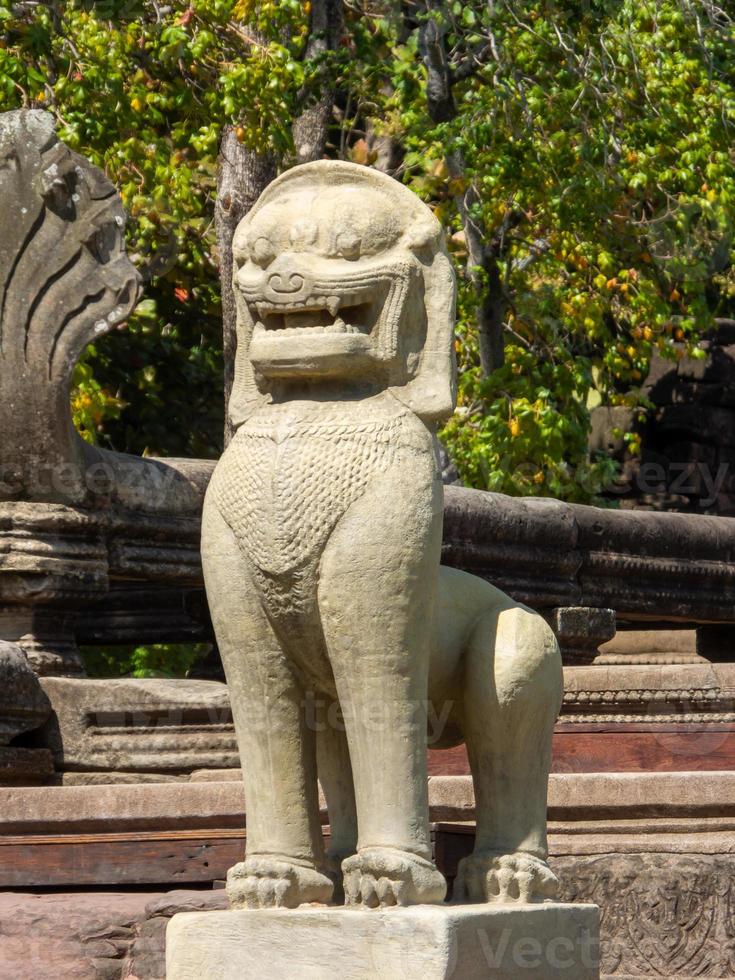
x: 340, y: 632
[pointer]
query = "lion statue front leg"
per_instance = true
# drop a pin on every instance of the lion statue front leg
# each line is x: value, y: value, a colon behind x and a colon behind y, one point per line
x: 285, y: 863
x: 376, y: 595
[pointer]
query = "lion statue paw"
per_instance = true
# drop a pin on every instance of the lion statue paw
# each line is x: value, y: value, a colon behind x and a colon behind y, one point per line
x: 377, y: 877
x: 268, y: 882
x: 489, y: 876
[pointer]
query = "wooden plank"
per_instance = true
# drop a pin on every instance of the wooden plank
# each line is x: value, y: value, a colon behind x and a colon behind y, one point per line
x: 668, y: 748
x: 120, y: 859
x: 99, y: 861
x: 703, y: 750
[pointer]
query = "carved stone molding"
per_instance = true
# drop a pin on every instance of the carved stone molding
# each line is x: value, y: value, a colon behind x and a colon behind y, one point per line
x: 623, y: 694
x: 131, y: 725
x: 678, y: 646
x: 580, y: 631
x: 23, y: 707
x: 56, y: 560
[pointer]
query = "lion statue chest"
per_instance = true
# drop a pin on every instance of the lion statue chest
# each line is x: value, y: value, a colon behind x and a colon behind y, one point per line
x: 292, y: 471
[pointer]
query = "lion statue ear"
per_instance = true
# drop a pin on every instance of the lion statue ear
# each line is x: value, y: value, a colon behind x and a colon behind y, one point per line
x: 245, y: 395
x: 432, y: 392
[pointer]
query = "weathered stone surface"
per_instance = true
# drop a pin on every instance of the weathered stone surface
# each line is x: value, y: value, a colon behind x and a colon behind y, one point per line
x: 52, y: 559
x: 651, y: 647
x: 70, y: 936
x: 321, y: 539
x: 682, y: 566
x: 23, y: 708
x: 147, y: 956
x: 699, y: 693
x: 662, y: 915
x: 25, y: 767
x: 121, y: 808
x: 611, y: 835
x: 64, y: 280
x: 107, y: 776
x: 467, y: 942
x: 184, y: 805
x: 96, y: 935
x: 23, y: 704
x: 57, y: 561
x: 139, y: 725
x: 580, y: 631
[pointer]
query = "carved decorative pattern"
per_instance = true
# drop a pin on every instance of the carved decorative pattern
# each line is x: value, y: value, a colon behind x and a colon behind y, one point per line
x: 662, y: 915
x: 64, y: 280
x: 701, y: 705
x: 282, y: 492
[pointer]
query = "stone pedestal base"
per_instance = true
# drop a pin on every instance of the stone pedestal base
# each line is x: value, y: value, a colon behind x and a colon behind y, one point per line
x: 428, y: 942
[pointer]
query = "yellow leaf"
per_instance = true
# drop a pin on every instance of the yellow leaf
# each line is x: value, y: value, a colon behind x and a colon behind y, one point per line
x: 457, y: 186
x: 360, y: 152
x: 243, y: 9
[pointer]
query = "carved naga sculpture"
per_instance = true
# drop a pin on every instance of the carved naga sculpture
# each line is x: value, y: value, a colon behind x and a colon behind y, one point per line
x: 321, y: 546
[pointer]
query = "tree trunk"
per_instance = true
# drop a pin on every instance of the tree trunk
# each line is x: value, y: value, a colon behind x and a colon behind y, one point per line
x: 242, y: 176
x: 310, y: 130
x: 482, y: 266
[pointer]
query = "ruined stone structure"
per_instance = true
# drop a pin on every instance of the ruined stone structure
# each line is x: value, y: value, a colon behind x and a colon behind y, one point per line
x: 641, y: 798
x: 80, y: 528
x: 72, y: 517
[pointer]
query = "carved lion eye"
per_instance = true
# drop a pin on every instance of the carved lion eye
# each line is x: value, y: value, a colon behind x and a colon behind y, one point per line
x: 262, y: 251
x: 348, y: 244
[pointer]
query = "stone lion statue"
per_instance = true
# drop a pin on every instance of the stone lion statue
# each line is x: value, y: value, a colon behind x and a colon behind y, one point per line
x: 338, y: 628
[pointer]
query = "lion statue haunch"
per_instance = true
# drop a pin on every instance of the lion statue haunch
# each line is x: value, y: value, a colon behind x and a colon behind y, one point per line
x: 340, y: 632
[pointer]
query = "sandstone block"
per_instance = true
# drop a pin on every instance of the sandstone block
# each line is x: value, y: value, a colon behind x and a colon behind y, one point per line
x: 134, y: 725
x: 430, y: 942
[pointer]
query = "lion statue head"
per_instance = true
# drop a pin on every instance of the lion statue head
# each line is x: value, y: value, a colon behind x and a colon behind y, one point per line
x: 341, y: 274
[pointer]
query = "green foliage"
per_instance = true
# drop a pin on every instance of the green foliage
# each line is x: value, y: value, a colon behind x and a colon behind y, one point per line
x: 91, y: 404
x: 597, y: 137
x: 141, y: 97
x: 155, y: 660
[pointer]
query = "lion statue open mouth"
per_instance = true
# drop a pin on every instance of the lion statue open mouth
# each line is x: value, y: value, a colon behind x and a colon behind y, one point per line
x: 339, y: 630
